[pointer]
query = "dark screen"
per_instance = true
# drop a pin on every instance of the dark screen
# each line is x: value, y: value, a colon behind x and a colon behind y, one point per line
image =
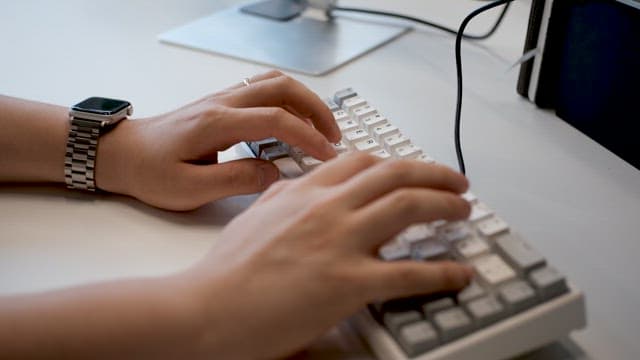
x: 101, y: 105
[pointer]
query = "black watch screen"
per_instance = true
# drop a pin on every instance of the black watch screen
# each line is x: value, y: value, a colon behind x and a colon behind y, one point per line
x: 101, y: 106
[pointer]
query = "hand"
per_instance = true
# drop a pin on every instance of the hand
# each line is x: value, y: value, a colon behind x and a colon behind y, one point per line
x: 170, y: 161
x: 303, y: 256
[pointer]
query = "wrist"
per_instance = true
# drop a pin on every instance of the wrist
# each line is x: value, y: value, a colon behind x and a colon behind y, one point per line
x: 113, y: 172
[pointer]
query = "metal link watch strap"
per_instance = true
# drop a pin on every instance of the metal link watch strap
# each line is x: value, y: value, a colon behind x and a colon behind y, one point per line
x: 80, y: 158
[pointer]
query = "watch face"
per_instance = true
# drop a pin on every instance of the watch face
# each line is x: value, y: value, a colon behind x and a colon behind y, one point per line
x: 102, y: 106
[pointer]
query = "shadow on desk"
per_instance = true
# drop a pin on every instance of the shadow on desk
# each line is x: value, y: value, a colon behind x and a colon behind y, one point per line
x: 217, y: 213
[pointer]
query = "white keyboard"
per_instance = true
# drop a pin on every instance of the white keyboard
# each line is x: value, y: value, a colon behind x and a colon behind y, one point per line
x: 518, y: 302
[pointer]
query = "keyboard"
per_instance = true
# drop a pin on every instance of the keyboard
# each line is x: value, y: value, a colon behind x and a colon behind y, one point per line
x: 516, y: 303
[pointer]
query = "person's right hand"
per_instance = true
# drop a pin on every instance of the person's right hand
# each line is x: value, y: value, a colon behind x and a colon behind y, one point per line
x: 304, y: 256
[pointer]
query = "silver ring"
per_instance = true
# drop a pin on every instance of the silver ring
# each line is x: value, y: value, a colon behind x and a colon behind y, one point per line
x: 246, y: 82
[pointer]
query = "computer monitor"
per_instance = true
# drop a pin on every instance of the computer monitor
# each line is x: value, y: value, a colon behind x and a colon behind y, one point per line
x: 286, y: 34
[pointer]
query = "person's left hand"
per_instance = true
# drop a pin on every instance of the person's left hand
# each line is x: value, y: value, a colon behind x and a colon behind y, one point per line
x: 171, y: 161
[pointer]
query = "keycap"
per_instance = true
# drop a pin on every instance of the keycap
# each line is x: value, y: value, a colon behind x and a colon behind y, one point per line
x: 426, y: 159
x: 410, y: 151
x: 340, y: 96
x: 296, y: 153
x: 492, y: 226
x: 372, y: 121
x: 416, y: 233
x: 331, y: 104
x: 453, y: 232
x: 395, y: 251
x: 347, y: 125
x: 418, y: 337
x: 368, y: 145
x: 471, y: 247
x: 384, y: 130
x: 429, y: 250
x: 548, y: 282
x: 288, y: 167
x: 518, y: 253
x: 340, y: 147
x: 364, y: 111
x: 340, y: 115
x: 353, y: 102
x: 486, y: 310
x: 493, y: 270
x: 435, y: 306
x: 274, y: 153
x: 394, y: 320
x: 518, y: 295
x: 309, y: 163
x: 393, y: 141
x: 438, y: 224
x: 479, y: 211
x: 470, y: 197
x: 472, y: 291
x: 355, y: 136
x: 452, y: 323
x: 383, y: 154
x: 258, y: 146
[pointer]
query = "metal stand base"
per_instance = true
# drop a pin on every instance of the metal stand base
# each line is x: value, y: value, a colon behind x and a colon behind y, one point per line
x: 304, y: 44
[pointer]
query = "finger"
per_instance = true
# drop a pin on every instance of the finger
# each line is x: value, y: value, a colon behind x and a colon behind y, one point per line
x: 283, y: 91
x: 245, y: 176
x: 275, y: 189
x: 388, y: 215
x: 341, y: 169
x: 386, y: 176
x: 389, y: 280
x: 256, y: 78
x: 253, y: 124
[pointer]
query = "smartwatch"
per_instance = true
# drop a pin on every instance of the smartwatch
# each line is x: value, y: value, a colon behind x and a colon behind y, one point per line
x: 89, y: 120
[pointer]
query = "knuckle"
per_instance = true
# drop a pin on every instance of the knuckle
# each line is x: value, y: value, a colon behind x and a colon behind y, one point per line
x: 274, y: 73
x: 286, y: 83
x: 449, y: 276
x: 322, y: 207
x: 278, y: 115
x: 212, y: 112
x: 405, y: 201
x: 396, y: 171
x: 364, y: 158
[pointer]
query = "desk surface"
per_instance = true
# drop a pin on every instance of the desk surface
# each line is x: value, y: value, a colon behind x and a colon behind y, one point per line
x: 575, y: 201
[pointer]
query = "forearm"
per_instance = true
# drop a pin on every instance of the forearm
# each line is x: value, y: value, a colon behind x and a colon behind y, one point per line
x: 32, y: 141
x: 152, y: 318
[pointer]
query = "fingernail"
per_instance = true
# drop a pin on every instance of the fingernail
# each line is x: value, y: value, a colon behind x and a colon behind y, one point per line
x: 330, y: 150
x: 269, y: 173
x: 469, y: 273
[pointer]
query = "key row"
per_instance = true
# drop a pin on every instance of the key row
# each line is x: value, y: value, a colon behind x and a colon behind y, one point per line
x: 424, y: 326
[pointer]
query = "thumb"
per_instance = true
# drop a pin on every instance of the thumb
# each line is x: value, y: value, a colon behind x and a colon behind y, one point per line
x: 237, y: 177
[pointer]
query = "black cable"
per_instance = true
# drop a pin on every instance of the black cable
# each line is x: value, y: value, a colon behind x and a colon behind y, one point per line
x: 459, y: 37
x: 424, y: 22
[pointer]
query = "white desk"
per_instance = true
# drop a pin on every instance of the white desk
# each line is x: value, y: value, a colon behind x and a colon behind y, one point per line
x: 578, y: 203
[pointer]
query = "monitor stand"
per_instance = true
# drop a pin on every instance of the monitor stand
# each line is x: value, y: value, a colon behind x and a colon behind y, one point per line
x: 304, y: 44
x: 281, y: 10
